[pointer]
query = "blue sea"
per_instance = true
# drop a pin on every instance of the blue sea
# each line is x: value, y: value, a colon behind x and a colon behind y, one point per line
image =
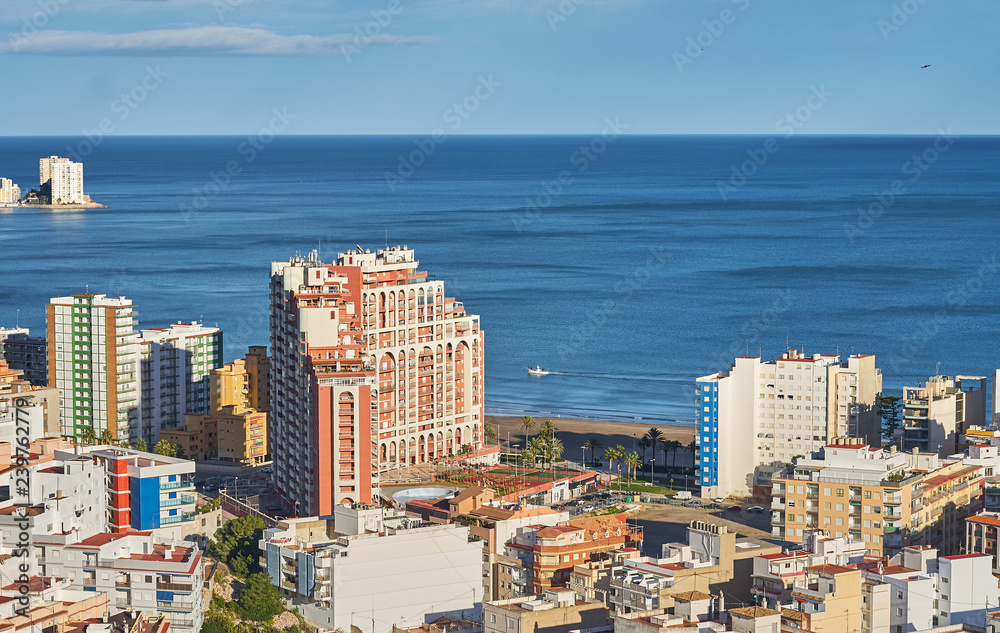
x: 629, y: 267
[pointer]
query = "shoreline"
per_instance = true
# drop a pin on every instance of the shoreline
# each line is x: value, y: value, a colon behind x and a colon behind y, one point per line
x: 62, y: 207
x: 574, y: 432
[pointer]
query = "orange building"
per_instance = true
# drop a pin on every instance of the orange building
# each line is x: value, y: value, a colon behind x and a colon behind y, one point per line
x: 376, y: 368
x: 549, y: 553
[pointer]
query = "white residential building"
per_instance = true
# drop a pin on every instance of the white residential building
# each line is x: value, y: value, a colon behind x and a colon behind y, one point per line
x: 63, y: 178
x: 758, y: 416
x: 935, y: 415
x: 928, y: 591
x: 374, y: 568
x: 94, y: 362
x: 175, y: 366
x: 138, y: 571
x: 45, y: 168
x: 9, y: 192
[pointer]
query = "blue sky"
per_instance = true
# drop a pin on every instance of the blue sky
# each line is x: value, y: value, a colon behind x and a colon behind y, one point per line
x: 553, y: 66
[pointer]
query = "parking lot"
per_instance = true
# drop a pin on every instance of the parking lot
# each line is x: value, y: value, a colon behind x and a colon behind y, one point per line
x: 668, y: 523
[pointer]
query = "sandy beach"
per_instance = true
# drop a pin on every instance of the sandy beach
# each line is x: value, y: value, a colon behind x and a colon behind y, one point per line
x: 574, y: 433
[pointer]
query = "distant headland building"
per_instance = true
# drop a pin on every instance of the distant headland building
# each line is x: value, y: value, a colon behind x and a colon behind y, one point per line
x: 10, y: 194
x: 61, y: 180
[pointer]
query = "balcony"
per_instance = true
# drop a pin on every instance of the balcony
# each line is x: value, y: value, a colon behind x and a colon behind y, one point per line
x: 173, y: 485
x: 777, y: 503
x: 184, y: 516
x: 180, y: 501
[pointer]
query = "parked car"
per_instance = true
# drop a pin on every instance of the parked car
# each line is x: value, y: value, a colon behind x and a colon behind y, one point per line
x: 589, y: 508
x: 683, y: 495
x: 733, y: 509
x: 267, y: 470
x: 756, y: 509
x: 694, y: 503
x: 720, y: 500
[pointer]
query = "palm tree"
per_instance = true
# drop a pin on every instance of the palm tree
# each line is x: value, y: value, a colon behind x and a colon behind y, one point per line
x: 489, y: 431
x: 593, y: 445
x: 547, y: 430
x: 693, y: 449
x: 537, y: 447
x: 615, y: 454
x: 553, y: 450
x: 140, y: 445
x: 610, y: 455
x: 644, y: 444
x: 655, y: 436
x: 665, y: 449
x: 106, y: 437
x: 88, y: 436
x: 674, y: 446
x: 632, y: 462
x: 526, y: 424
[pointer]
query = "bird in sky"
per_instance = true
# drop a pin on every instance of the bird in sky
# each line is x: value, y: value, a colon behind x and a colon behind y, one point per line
x: 926, y: 66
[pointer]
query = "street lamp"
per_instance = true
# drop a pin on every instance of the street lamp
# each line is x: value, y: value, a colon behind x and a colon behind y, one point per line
x: 652, y: 467
x: 583, y: 463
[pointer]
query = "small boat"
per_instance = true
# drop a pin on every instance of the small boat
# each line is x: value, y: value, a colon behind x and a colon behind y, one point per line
x: 538, y: 371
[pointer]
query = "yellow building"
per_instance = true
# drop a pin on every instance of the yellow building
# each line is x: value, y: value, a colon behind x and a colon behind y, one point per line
x: 829, y: 599
x: 885, y: 498
x: 235, y: 430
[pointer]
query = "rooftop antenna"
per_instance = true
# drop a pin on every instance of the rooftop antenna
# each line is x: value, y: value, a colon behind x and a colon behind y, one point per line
x: 319, y: 250
x: 387, y: 238
x: 17, y: 318
x: 937, y: 369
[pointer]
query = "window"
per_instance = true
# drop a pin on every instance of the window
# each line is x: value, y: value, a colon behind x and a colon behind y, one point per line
x: 840, y: 492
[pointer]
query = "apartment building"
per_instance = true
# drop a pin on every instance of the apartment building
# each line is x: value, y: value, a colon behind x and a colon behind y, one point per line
x: 10, y: 194
x: 175, y: 364
x: 552, y: 612
x: 45, y: 168
x: 243, y: 383
x: 67, y: 183
x: 235, y: 428
x: 26, y: 353
x: 592, y: 580
x: 783, y: 408
x: 829, y: 599
x: 927, y: 591
x: 93, y: 359
x: 713, y: 559
x: 144, y: 491
x: 40, y: 404
x: 376, y: 368
x: 549, y: 553
x: 936, y: 414
x: 138, y: 571
x: 883, y: 498
x: 332, y: 570
x: 982, y: 536
x: 775, y: 574
x: 50, y: 605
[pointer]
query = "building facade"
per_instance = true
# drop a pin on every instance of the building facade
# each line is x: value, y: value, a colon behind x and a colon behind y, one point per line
x: 10, y: 194
x: 93, y: 359
x: 63, y: 179
x: 25, y: 353
x: 376, y: 368
x: 784, y: 408
x: 555, y: 611
x: 937, y: 414
x: 371, y: 563
x: 883, y: 498
x: 175, y: 364
x: 138, y: 571
x: 144, y: 491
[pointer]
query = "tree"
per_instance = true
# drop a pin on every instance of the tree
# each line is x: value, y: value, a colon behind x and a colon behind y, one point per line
x: 537, y: 447
x: 593, y: 445
x: 547, y: 430
x: 106, y: 437
x: 526, y: 424
x: 644, y: 445
x: 236, y: 543
x: 655, y: 436
x: 165, y: 448
x: 671, y: 446
x: 260, y: 600
x: 218, y: 623
x: 489, y: 431
x: 88, y: 436
x: 888, y: 409
x: 140, y: 445
x: 553, y: 450
x: 615, y: 454
x: 632, y: 462
x: 693, y: 449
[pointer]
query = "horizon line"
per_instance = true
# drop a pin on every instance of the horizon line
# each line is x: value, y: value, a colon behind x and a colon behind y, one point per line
x: 512, y: 134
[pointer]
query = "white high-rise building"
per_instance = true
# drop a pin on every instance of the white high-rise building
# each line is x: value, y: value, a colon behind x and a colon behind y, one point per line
x: 758, y: 416
x: 175, y: 366
x: 67, y: 183
x: 9, y: 192
x: 94, y: 362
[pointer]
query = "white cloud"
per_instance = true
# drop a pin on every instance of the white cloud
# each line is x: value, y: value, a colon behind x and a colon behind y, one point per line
x: 198, y: 41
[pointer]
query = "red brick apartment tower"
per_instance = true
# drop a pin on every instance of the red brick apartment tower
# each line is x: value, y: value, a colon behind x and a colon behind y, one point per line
x: 372, y: 367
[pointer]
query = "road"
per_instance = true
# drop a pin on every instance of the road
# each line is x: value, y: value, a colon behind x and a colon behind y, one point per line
x: 668, y: 524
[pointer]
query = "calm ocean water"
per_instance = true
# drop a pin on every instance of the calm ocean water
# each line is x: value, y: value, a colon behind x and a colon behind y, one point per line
x: 630, y: 278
